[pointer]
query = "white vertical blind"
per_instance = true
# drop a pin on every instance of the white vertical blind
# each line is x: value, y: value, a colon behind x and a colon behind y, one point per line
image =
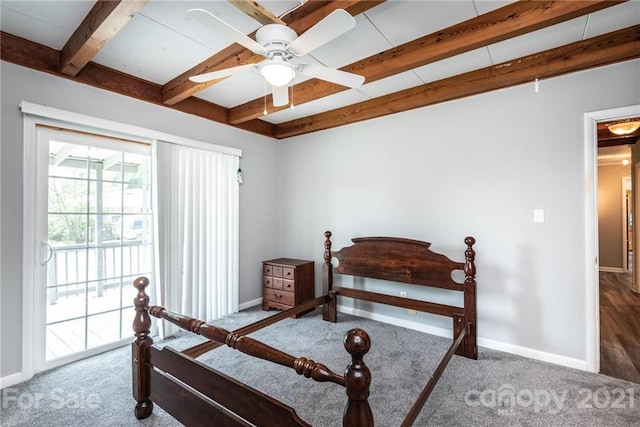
x: 198, y: 237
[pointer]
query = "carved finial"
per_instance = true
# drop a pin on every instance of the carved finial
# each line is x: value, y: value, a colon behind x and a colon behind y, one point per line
x: 357, y: 342
x: 470, y: 241
x: 358, y: 379
x: 141, y: 321
x: 327, y: 246
x: 141, y: 283
x: 470, y: 256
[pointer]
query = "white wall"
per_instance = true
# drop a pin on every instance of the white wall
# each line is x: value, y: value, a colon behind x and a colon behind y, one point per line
x: 258, y: 207
x: 476, y: 166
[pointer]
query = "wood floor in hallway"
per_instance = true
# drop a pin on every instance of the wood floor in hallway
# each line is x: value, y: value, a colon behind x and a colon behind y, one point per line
x: 619, y: 327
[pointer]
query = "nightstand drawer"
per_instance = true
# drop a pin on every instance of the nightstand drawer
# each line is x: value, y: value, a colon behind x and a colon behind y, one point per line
x: 267, y: 270
x: 277, y: 283
x: 288, y: 285
x: 274, y: 283
x: 281, y: 297
x: 267, y: 281
x: 288, y: 273
x: 277, y: 271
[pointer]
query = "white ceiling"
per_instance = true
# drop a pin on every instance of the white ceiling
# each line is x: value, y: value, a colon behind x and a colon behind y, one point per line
x: 161, y: 42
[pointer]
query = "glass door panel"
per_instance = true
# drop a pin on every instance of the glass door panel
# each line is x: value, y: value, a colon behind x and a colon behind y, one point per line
x: 99, y: 226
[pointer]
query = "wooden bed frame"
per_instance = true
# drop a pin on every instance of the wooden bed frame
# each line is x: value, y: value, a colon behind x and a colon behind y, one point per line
x: 196, y: 394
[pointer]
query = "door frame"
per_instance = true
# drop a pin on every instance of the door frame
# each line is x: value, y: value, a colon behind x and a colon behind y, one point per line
x: 30, y: 276
x: 635, y: 185
x: 625, y: 222
x: 34, y: 115
x: 592, y: 288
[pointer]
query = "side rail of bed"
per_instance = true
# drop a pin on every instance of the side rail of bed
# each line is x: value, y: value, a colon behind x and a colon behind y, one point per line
x: 167, y: 376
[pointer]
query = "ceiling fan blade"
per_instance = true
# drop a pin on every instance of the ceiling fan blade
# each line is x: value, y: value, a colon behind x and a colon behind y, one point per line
x: 219, y: 74
x: 332, y: 75
x: 209, y: 19
x: 280, y: 95
x: 331, y: 26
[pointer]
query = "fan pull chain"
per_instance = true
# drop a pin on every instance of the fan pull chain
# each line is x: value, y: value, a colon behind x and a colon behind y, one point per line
x: 265, y: 112
x: 291, y: 105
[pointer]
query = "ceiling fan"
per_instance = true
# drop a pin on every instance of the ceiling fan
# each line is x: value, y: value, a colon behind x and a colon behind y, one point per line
x: 279, y: 44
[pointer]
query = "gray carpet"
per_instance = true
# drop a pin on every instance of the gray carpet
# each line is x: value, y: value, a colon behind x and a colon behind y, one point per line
x: 97, y: 391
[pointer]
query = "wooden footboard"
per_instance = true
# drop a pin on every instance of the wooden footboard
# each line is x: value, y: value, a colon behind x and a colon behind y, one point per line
x: 221, y: 397
x: 169, y: 378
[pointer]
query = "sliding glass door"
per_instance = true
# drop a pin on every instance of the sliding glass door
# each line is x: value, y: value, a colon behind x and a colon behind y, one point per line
x: 96, y: 238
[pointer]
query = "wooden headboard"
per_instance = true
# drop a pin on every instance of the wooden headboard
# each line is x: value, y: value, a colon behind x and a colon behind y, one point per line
x: 409, y: 261
x: 397, y: 260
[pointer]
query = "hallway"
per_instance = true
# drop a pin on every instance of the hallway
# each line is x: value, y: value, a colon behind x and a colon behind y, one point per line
x: 619, y: 327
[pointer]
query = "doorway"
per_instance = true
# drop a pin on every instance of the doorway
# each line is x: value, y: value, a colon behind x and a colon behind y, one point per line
x: 619, y: 308
x: 605, y: 318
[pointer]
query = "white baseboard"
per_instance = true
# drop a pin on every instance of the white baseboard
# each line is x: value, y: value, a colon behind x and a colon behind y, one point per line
x: 611, y: 269
x: 10, y: 380
x: 409, y: 324
x: 482, y: 342
x: 531, y: 353
x: 250, y: 304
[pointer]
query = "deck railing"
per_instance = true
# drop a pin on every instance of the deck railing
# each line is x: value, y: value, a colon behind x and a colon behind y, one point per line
x: 75, y: 269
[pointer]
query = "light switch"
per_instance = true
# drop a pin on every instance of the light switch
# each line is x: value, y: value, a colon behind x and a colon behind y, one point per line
x: 538, y: 215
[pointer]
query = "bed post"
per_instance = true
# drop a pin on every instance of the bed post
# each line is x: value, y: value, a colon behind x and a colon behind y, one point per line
x: 357, y: 378
x: 329, y: 308
x: 140, y: 350
x: 470, y: 343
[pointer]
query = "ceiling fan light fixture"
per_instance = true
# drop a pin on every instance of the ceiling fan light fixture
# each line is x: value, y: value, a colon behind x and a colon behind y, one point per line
x: 624, y: 128
x: 277, y: 72
x: 278, y: 44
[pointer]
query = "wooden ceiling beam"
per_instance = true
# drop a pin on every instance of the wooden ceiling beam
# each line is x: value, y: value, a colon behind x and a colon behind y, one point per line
x: 29, y: 54
x: 103, y: 21
x: 509, y: 21
x: 603, y: 50
x: 299, y: 20
x: 257, y: 12
x: 42, y: 58
x: 614, y: 142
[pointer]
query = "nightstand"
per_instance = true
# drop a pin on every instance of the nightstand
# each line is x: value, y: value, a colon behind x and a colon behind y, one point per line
x: 287, y: 282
